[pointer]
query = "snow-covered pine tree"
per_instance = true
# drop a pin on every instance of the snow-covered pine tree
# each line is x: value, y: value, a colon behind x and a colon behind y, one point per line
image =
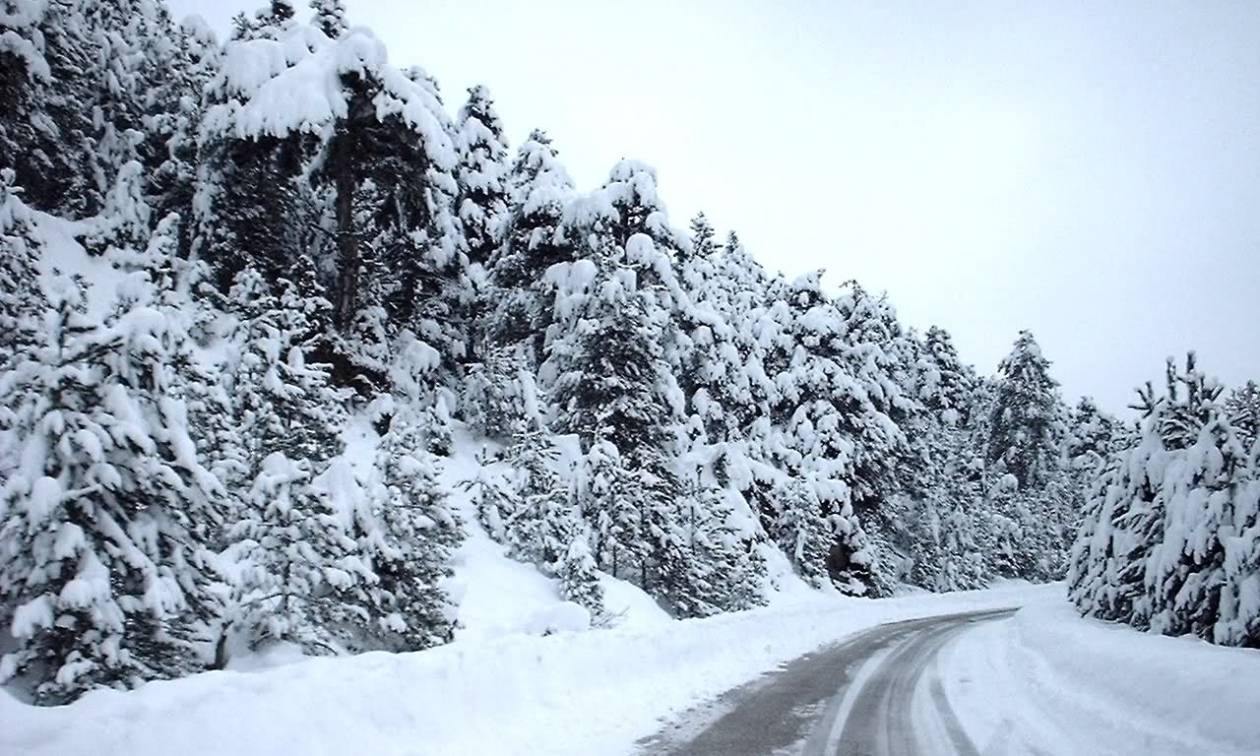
x: 539, y: 189
x: 286, y: 546
x: 548, y: 528
x: 1238, y: 619
x: 330, y: 17
x: 21, y: 297
x: 945, y: 480
x: 611, y: 385
x: 1199, y: 486
x: 173, y: 120
x: 79, y: 76
x: 877, y: 352
x: 827, y: 419
x: 1025, y: 427
x: 412, y: 538
x: 1243, y: 405
x: 497, y: 394
x: 1168, y: 539
x: 102, y: 572
x: 1107, y: 561
x: 1091, y: 438
x: 44, y: 46
x: 945, y: 384
x: 610, y: 500
x: 381, y: 171
x: 800, y: 530
x: 481, y: 174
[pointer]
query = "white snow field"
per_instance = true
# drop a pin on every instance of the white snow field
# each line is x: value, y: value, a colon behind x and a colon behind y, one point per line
x: 1045, y: 678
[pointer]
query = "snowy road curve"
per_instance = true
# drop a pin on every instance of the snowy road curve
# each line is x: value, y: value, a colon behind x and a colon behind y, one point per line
x: 876, y: 694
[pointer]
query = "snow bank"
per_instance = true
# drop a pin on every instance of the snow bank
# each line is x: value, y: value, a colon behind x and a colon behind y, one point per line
x: 568, y: 693
x: 1048, y: 680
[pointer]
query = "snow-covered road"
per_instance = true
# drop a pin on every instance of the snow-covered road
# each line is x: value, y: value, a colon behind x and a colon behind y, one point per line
x: 879, y: 693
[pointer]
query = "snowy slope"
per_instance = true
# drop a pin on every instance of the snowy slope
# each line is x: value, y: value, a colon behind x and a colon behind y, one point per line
x: 497, y: 595
x: 1047, y: 676
x: 567, y: 693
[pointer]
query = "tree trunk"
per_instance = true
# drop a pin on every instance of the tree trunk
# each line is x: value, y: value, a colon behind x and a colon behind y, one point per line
x: 349, y: 262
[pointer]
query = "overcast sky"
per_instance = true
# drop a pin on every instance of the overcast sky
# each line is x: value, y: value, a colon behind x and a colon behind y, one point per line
x: 1089, y: 171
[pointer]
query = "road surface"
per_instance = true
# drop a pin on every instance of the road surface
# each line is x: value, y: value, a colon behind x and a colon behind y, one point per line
x: 876, y: 694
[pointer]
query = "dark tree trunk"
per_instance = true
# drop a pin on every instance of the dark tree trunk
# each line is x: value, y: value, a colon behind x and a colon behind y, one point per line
x: 349, y: 262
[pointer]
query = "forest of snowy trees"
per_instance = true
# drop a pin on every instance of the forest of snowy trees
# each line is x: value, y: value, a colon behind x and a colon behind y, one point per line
x: 285, y: 232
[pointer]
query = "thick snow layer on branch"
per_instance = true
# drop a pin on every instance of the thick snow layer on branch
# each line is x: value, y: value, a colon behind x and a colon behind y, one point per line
x: 295, y: 84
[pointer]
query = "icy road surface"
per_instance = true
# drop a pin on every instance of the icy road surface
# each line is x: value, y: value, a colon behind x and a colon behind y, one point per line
x: 877, y: 694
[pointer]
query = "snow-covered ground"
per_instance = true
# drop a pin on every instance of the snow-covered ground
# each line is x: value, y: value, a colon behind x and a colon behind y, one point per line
x: 1048, y: 681
x: 1046, y: 678
x: 589, y: 692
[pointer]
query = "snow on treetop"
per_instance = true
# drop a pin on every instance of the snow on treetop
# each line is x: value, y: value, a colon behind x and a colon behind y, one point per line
x: 293, y: 84
x: 19, y: 18
x: 631, y: 180
x: 196, y: 26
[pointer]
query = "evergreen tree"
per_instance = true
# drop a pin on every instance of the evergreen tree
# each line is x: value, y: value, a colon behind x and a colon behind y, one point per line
x: 330, y: 17
x: 286, y: 544
x: 539, y: 188
x: 410, y: 538
x: 102, y: 570
x: 1025, y: 428
x: 21, y: 297
x: 1243, y: 405
x: 800, y: 530
x: 1168, y: 539
x: 1238, y: 621
x: 481, y: 174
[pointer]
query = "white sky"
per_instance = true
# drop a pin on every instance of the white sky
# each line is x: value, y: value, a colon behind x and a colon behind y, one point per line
x: 1090, y: 171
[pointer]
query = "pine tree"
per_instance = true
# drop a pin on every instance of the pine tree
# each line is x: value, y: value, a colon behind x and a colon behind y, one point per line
x: 1024, y: 428
x: 377, y: 214
x: 1238, y: 621
x: 1168, y: 538
x: 103, y: 573
x: 411, y: 544
x: 800, y: 530
x: 1185, y: 572
x: 829, y: 423
x: 539, y: 189
x: 21, y: 297
x: 610, y: 502
x: 1243, y: 405
x: 497, y: 394
x: 330, y: 17
x: 79, y: 76
x: 481, y: 173
x: 285, y: 544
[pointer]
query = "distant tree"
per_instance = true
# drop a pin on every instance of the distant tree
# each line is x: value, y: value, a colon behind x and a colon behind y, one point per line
x: 1025, y: 427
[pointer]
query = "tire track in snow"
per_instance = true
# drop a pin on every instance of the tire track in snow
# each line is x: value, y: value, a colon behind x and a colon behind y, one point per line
x: 861, y: 697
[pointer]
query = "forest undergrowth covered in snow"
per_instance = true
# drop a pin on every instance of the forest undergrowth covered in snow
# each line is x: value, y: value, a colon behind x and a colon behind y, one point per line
x: 296, y: 358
